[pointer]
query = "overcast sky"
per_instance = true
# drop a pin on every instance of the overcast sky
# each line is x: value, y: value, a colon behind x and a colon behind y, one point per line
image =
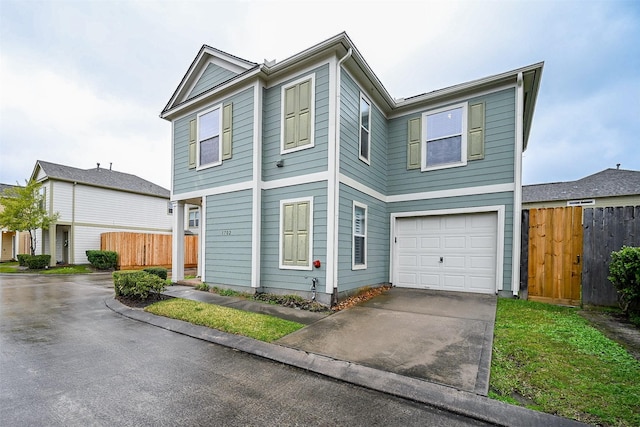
x: 83, y: 82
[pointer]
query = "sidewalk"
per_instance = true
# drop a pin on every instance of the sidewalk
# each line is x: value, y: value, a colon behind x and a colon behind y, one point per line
x: 447, y: 398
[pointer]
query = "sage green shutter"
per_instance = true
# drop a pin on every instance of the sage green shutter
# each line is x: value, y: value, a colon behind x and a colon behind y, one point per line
x: 295, y: 234
x: 475, y: 139
x: 297, y: 115
x: 192, y: 143
x: 227, y: 116
x: 414, y: 143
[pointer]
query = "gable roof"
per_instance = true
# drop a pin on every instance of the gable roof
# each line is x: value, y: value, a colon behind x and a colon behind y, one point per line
x: 5, y: 187
x: 607, y: 183
x: 100, y: 177
x: 342, y: 47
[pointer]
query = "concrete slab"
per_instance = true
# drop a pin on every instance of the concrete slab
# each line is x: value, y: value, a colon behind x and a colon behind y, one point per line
x: 442, y: 337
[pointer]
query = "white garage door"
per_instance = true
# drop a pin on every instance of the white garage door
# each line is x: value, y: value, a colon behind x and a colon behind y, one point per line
x: 448, y: 252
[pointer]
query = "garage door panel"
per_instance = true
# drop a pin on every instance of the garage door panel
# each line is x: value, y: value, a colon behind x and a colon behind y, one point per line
x: 466, y: 243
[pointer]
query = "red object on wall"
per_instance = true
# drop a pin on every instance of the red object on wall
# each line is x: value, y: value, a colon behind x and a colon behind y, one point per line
x: 316, y: 263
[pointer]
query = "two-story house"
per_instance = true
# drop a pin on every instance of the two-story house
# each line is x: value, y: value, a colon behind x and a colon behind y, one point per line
x: 308, y: 172
x: 94, y: 201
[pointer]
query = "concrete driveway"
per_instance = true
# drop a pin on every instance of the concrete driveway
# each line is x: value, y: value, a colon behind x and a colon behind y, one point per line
x: 442, y: 337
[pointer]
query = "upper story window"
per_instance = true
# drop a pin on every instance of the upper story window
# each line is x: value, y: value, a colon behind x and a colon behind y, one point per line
x: 365, y: 129
x: 169, y: 208
x: 194, y: 217
x: 298, y: 115
x: 445, y: 138
x: 208, y: 144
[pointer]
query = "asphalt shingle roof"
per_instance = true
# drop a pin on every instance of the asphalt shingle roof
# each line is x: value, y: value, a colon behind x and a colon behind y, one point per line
x: 4, y: 187
x: 606, y: 183
x: 101, y: 177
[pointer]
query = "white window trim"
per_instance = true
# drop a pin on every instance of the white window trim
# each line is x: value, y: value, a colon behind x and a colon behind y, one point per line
x: 281, y: 241
x: 202, y: 113
x: 584, y: 202
x: 312, y: 78
x: 463, y: 140
x: 355, y: 266
x: 196, y: 212
x: 364, y: 159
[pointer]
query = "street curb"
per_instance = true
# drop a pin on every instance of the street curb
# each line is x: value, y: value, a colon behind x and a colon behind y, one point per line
x: 435, y: 395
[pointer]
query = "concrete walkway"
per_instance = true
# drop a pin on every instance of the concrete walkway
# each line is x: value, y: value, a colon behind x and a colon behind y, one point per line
x: 424, y: 332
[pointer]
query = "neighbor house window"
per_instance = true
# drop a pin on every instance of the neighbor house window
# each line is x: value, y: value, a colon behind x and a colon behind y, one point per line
x: 194, y: 218
x: 296, y: 233
x: 297, y: 115
x: 359, y: 236
x: 445, y: 138
x: 585, y: 202
x: 365, y: 126
x: 169, y: 208
x: 208, y: 143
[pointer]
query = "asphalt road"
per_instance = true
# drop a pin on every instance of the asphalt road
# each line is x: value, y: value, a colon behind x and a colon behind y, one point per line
x: 67, y: 360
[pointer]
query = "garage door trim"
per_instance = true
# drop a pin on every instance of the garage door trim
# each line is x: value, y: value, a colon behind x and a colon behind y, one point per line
x: 498, y: 209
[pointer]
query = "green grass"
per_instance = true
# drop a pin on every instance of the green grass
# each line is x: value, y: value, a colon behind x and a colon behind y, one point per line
x: 254, y: 325
x: 550, y: 359
x: 71, y: 269
x: 9, y: 267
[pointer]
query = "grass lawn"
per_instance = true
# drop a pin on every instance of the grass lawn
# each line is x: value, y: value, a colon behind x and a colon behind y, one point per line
x: 12, y: 267
x: 550, y: 359
x: 9, y: 267
x: 254, y: 325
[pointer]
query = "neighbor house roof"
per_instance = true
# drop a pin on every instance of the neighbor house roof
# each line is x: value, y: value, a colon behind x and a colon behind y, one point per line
x: 5, y: 187
x: 607, y: 183
x: 100, y: 177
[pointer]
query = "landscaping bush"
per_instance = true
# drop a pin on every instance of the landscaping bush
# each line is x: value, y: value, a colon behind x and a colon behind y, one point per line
x: 136, y: 284
x: 161, y: 272
x: 624, y: 273
x: 22, y: 259
x: 38, y: 262
x: 102, y: 260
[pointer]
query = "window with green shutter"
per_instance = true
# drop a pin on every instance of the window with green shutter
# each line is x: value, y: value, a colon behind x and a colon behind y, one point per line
x: 296, y: 233
x: 475, y: 150
x: 210, y: 137
x: 297, y: 115
x: 414, y: 143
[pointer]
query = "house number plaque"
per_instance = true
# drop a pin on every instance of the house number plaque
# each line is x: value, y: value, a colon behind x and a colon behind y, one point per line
x: 226, y: 232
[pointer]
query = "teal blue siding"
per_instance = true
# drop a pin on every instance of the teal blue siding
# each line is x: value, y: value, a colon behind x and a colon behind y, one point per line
x: 237, y: 169
x: 301, y: 162
x: 228, y: 239
x: 212, y: 76
x: 377, y: 241
x: 497, y: 167
x: 496, y: 199
x: 372, y: 174
x: 271, y: 274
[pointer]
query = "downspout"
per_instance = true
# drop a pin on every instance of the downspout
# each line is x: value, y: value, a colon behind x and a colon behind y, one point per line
x: 336, y: 181
x: 517, y: 193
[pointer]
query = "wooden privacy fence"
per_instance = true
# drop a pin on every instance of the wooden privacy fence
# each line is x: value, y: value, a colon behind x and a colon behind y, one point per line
x: 566, y: 252
x: 139, y: 250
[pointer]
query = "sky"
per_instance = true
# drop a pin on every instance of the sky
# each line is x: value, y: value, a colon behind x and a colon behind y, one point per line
x: 83, y: 82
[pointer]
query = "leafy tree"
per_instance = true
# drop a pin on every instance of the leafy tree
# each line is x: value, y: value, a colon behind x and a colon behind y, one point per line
x: 24, y: 210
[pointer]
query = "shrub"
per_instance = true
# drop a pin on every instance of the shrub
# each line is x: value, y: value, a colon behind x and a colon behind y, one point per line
x: 22, y: 259
x: 624, y: 273
x: 38, y: 262
x: 161, y: 272
x: 202, y: 287
x: 136, y: 284
x: 103, y: 260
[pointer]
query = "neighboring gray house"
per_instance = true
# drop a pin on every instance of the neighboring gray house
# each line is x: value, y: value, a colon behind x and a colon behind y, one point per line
x: 607, y: 188
x: 308, y: 171
x: 94, y: 201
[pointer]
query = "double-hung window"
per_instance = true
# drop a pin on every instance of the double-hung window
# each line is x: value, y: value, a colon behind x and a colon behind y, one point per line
x: 359, y: 252
x: 194, y: 217
x: 445, y: 138
x: 208, y: 144
x: 365, y: 129
x: 296, y: 233
x: 298, y: 115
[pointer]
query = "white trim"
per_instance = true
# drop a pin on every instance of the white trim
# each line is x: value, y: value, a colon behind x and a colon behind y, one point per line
x: 355, y: 266
x: 463, y: 138
x: 171, y: 154
x: 295, y: 180
x: 452, y: 101
x: 499, y: 209
x: 364, y: 98
x: 207, y: 105
x: 364, y: 91
x: 246, y: 185
x: 222, y: 63
x: 312, y: 106
x: 202, y: 239
x: 310, y: 241
x: 256, y: 187
x: 324, y: 60
x: 517, y: 194
x: 219, y: 161
x: 332, y: 175
x: 438, y: 194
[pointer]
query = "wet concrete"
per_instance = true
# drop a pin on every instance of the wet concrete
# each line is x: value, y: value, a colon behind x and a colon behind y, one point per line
x: 68, y: 360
